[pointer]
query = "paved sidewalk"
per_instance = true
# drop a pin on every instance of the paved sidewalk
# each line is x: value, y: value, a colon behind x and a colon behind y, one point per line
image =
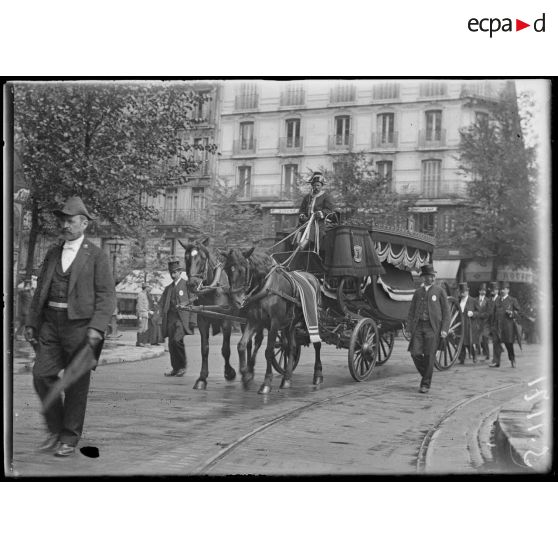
x: 116, y: 350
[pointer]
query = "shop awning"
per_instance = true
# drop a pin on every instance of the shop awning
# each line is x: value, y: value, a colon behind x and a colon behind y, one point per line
x: 446, y: 269
x: 478, y: 270
x: 130, y: 286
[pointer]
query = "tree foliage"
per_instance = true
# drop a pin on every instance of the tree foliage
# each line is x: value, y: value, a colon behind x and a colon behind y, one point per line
x: 363, y: 196
x: 501, y: 223
x: 114, y: 145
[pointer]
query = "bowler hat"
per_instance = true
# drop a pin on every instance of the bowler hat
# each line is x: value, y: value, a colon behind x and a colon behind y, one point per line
x: 175, y: 264
x: 482, y: 287
x: 505, y: 285
x: 73, y: 206
x: 463, y: 287
x: 427, y: 269
x: 494, y: 286
x: 317, y: 177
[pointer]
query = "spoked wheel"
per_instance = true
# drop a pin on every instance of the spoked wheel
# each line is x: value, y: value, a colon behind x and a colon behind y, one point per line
x: 450, y: 347
x: 279, y: 360
x: 387, y: 340
x: 363, y: 349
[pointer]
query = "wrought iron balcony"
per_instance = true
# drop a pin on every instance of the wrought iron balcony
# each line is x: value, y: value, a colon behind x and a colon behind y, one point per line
x: 432, y: 188
x: 383, y: 140
x: 292, y: 97
x: 183, y: 216
x: 244, y: 146
x: 246, y: 102
x: 343, y: 94
x: 290, y: 144
x: 340, y: 142
x: 429, y: 139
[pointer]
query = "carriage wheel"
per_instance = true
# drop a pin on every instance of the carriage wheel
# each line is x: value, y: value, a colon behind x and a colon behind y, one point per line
x: 451, y: 346
x: 363, y: 349
x: 279, y: 360
x: 385, y: 348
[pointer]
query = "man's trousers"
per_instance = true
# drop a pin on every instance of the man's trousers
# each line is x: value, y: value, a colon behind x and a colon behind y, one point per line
x: 423, y: 351
x: 176, y: 332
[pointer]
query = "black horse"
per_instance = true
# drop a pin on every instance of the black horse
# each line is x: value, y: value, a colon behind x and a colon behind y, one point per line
x: 210, y: 285
x: 269, y: 299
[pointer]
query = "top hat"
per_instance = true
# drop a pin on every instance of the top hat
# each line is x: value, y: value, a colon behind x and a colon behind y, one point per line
x: 427, y: 269
x: 73, y: 206
x: 505, y: 285
x: 317, y: 177
x: 175, y: 264
x: 463, y: 287
x: 494, y: 286
x: 482, y: 287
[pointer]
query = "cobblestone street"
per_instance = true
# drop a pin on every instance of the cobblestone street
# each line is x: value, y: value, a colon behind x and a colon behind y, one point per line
x: 146, y: 424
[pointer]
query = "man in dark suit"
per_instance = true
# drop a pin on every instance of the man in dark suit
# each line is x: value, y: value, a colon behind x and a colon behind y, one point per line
x: 505, y: 313
x: 496, y: 342
x: 470, y: 312
x: 175, y: 322
x: 317, y: 203
x: 72, y: 305
x: 428, y: 321
x: 483, y: 332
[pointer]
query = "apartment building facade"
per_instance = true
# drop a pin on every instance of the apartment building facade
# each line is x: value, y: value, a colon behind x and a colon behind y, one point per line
x: 270, y: 131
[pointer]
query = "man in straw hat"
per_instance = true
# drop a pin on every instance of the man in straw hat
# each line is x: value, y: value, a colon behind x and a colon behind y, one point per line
x: 175, y: 321
x: 71, y: 308
x: 428, y: 321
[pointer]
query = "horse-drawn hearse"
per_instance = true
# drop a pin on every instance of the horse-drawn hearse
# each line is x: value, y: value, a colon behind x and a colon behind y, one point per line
x: 354, y: 293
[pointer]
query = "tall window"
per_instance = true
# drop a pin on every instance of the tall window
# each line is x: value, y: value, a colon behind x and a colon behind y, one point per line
x: 247, y: 96
x: 244, y: 181
x: 433, y: 89
x: 384, y: 170
x: 293, y: 94
x: 293, y: 132
x: 433, y: 125
x: 198, y: 198
x: 171, y: 199
x: 246, y: 135
x: 481, y: 118
x: 201, y: 155
x: 386, y: 90
x: 289, y: 180
x: 431, y: 177
x: 426, y: 222
x: 200, y: 110
x: 342, y: 130
x: 386, y: 127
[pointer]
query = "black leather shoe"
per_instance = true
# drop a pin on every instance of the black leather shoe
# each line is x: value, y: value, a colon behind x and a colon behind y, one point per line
x: 171, y: 373
x: 49, y: 443
x: 494, y: 365
x: 65, y: 450
x: 423, y: 389
x: 180, y: 373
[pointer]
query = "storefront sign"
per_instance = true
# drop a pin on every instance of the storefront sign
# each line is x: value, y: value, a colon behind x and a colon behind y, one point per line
x: 521, y: 275
x: 425, y: 209
x: 283, y: 211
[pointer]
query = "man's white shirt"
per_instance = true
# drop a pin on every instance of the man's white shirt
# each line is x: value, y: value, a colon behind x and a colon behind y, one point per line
x: 69, y: 252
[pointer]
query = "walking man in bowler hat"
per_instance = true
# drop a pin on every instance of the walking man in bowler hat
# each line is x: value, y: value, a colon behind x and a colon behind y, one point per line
x: 429, y: 318
x: 506, y: 311
x: 72, y: 305
x: 174, y: 320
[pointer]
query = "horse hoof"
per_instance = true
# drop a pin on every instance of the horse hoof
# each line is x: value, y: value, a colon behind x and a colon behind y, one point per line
x: 318, y: 380
x: 265, y: 389
x: 230, y: 374
x: 200, y: 384
x: 285, y: 384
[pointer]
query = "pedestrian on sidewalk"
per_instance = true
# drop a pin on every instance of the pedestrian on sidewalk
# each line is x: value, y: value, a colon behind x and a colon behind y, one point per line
x: 175, y: 321
x: 470, y: 311
x: 505, y: 313
x: 72, y: 306
x: 154, y: 326
x: 428, y: 321
x: 143, y: 311
x: 483, y: 323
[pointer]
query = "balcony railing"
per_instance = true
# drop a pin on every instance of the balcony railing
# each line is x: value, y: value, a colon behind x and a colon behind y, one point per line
x: 432, y: 138
x: 340, y: 143
x: 290, y: 144
x: 265, y: 192
x: 383, y: 140
x: 480, y: 89
x: 433, y: 89
x: 183, y: 216
x: 343, y: 94
x: 433, y: 188
x: 244, y: 146
x: 290, y: 98
x: 246, y: 102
